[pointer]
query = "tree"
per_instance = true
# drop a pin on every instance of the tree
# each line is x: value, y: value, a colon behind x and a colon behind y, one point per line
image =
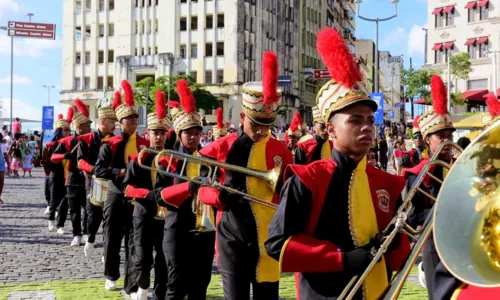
x: 204, y: 99
x: 461, y: 66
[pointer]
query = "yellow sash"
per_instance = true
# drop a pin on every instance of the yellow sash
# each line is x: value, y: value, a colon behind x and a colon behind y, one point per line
x: 130, y: 147
x: 268, y: 269
x: 363, y: 227
x: 326, y: 152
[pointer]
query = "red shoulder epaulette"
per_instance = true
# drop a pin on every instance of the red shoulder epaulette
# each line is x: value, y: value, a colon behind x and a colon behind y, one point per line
x: 415, y: 170
x: 66, y: 142
x: 114, y: 139
x: 87, y: 138
x: 142, y: 141
x: 50, y: 144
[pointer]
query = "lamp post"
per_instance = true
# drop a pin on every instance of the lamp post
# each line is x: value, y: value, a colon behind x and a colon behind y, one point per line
x: 425, y: 45
x: 48, y: 95
x: 11, y: 73
x: 377, y: 20
x: 494, y: 52
x: 168, y: 59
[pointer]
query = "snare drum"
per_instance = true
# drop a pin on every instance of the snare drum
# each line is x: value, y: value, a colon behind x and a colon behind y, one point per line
x: 161, y: 212
x: 99, y: 191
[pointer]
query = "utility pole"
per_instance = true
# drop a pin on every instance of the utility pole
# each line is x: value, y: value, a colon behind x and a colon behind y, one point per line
x: 495, y: 86
x: 448, y: 86
x: 411, y: 100
x: 425, y: 45
x: 48, y: 96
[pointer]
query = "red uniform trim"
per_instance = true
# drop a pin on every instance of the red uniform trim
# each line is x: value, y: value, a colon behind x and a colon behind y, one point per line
x: 135, y: 192
x: 87, y: 138
x: 176, y: 194
x: 50, y: 144
x: 308, y: 147
x: 415, y: 170
x: 209, y: 196
x: 85, y: 166
x: 471, y: 292
x: 114, y: 142
x: 57, y: 158
x: 66, y: 142
x: 218, y: 150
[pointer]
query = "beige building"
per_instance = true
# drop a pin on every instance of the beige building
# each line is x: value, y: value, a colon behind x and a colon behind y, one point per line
x: 465, y: 26
x: 218, y: 42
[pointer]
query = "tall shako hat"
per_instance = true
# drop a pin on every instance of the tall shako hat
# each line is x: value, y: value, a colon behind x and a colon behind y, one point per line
x: 126, y: 109
x: 81, y: 115
x: 220, y: 129
x: 105, y: 109
x: 158, y: 119
x: 295, y: 129
x: 65, y: 123
x: 187, y: 117
x: 260, y: 99
x: 345, y: 88
x: 317, y: 115
x: 437, y: 118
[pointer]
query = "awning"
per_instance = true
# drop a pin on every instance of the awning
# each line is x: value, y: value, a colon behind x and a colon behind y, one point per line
x: 448, y: 9
x: 486, y: 95
x: 482, y: 3
x: 482, y: 40
x: 475, y: 121
x: 437, y: 11
x: 448, y: 45
x: 470, y: 5
x: 437, y: 47
x: 470, y: 41
x: 475, y: 95
x: 420, y: 101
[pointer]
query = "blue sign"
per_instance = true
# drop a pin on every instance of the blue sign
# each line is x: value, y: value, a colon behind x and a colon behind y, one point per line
x: 285, y: 81
x: 48, y: 117
x: 379, y: 114
x: 391, y: 115
x: 399, y: 105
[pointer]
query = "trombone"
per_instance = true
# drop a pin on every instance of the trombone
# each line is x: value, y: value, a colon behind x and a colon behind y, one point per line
x: 271, y: 177
x: 400, y: 225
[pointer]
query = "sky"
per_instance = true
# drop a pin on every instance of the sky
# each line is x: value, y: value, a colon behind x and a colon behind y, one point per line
x: 38, y: 62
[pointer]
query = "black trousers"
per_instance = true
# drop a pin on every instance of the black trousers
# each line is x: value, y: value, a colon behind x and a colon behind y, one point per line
x: 94, y: 218
x: 430, y: 260
x: 46, y: 189
x: 117, y: 225
x: 58, y: 201
x: 189, y: 258
x: 76, y: 199
x: 237, y: 287
x: 148, y: 235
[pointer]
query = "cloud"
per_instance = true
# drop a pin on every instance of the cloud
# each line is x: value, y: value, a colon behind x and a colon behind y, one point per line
x: 25, y: 110
x: 18, y: 80
x: 393, y: 38
x: 7, y: 6
x: 28, y: 47
x: 416, y: 40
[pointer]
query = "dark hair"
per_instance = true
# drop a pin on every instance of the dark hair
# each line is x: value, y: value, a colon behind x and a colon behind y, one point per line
x: 5, y: 127
x: 463, y: 142
x: 17, y: 119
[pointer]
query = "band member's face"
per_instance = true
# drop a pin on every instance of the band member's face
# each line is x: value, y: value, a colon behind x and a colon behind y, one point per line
x: 107, y: 126
x: 370, y: 158
x: 320, y: 130
x: 255, y: 132
x: 293, y: 141
x: 65, y: 132
x: 190, y: 138
x: 129, y: 124
x: 435, y: 139
x: 157, y: 138
x: 84, y: 128
x: 353, y: 129
x: 418, y: 141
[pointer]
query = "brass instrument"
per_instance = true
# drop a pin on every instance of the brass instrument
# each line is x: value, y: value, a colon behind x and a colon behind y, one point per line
x: 400, y: 225
x: 467, y: 215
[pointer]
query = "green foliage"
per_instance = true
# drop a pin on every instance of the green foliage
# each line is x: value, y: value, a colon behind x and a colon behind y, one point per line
x: 461, y: 66
x: 204, y: 99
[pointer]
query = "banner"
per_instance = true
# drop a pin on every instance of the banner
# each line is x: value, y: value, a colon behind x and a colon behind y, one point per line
x: 48, y: 118
x: 379, y: 114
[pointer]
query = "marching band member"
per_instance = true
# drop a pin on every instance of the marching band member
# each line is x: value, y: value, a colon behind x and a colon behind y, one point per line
x: 242, y: 227
x: 436, y: 127
x: 111, y: 164
x: 294, y: 133
x: 57, y: 176
x: 327, y: 233
x: 75, y: 181
x: 220, y: 129
x: 419, y: 151
x: 314, y: 148
x: 86, y: 156
x: 139, y: 184
x: 188, y: 247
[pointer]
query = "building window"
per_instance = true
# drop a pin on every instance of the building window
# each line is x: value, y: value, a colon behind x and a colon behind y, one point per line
x: 142, y: 27
x: 78, y: 58
x: 149, y: 24
x: 101, y: 30
x: 440, y: 20
x: 78, y: 33
x: 101, y: 5
x: 220, y: 48
x: 109, y: 83
x: 450, y: 17
x: 86, y: 83
x: 183, y: 1
x: 87, y: 57
x: 472, y: 51
x: 76, y: 83
x: 220, y: 21
x: 78, y: 7
x: 182, y: 51
x: 208, y: 77
x: 149, y: 51
x: 183, y: 24
x: 88, y: 32
x: 472, y: 15
x: 143, y: 51
x: 100, y: 82
x: 136, y: 3
x: 193, y: 75
x: 136, y: 52
x: 156, y: 25
x: 100, y: 57
x: 477, y: 84
x: 209, y: 22
x: 111, y: 56
x: 111, y: 4
x: 220, y: 76
x: 483, y: 12
x: 194, y: 51
x: 194, y: 23
x: 208, y: 50
x: 156, y: 49
x: 111, y: 29
x: 88, y: 5
x: 483, y: 47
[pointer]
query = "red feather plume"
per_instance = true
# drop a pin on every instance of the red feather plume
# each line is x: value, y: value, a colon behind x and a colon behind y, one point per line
x: 286, y: 139
x: 220, y: 118
x: 173, y: 104
x: 117, y: 99
x: 296, y: 122
x: 71, y: 112
x: 438, y: 92
x: 82, y: 108
x: 415, y: 121
x: 187, y: 100
x: 161, y: 109
x: 129, y: 93
x: 337, y: 57
x: 493, y: 105
x: 59, y: 116
x: 270, y: 77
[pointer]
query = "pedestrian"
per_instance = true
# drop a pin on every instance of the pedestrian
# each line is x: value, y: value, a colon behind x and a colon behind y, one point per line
x: 383, y: 149
x: 375, y: 148
x: 390, y: 147
x: 27, y: 163
x: 16, y: 126
x: 3, y: 157
x: 15, y: 154
x: 316, y: 148
x: 398, y: 155
x: 5, y: 130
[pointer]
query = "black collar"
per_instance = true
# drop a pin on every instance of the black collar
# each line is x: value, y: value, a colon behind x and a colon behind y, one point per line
x: 344, y: 162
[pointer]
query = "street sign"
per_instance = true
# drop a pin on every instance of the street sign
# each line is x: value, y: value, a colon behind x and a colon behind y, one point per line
x: 379, y: 114
x: 285, y: 81
x: 391, y: 115
x: 31, y: 30
x: 321, y: 74
x: 48, y: 117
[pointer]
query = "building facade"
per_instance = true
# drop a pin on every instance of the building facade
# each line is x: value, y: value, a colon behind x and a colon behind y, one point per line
x: 220, y: 43
x: 465, y: 26
x: 391, y: 71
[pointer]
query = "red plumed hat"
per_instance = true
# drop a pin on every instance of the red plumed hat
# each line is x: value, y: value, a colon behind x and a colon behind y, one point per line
x: 161, y: 108
x: 187, y: 117
x: 117, y: 99
x: 71, y: 112
x: 438, y: 93
x: 126, y: 109
x: 82, y: 115
x: 270, y: 78
x: 220, y: 118
x: 295, y: 128
x: 187, y: 100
